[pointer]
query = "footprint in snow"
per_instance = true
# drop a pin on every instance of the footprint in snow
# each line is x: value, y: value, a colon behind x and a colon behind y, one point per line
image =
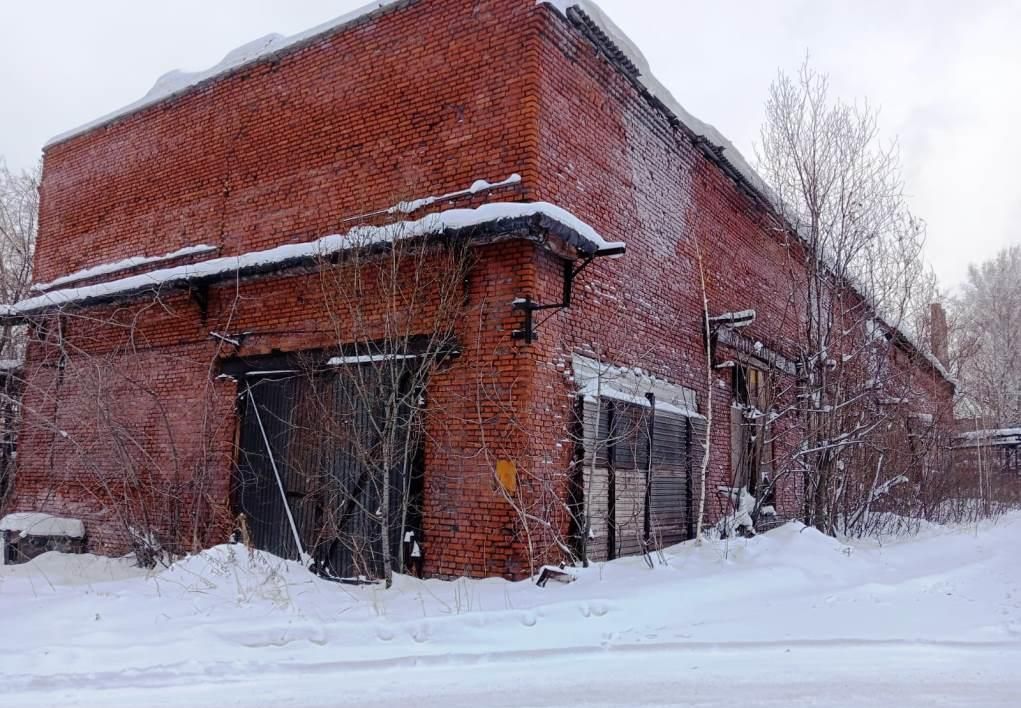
x: 590, y: 609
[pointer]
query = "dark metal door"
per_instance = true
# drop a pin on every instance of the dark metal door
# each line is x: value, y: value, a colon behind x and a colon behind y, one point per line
x: 325, y: 433
x: 258, y: 494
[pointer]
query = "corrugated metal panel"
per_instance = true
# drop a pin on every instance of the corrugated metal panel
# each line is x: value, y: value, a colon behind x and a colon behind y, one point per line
x: 634, y: 502
x: 629, y: 512
x: 597, y: 498
x: 592, y: 412
x: 629, y: 436
x: 669, y: 503
x: 10, y: 388
x: 257, y: 493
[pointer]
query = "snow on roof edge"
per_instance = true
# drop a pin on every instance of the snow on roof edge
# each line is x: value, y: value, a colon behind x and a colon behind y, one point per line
x: 990, y: 433
x: 358, y: 237
x: 929, y: 357
x: 123, y: 264
x: 902, y: 336
x: 656, y: 89
x: 177, y: 82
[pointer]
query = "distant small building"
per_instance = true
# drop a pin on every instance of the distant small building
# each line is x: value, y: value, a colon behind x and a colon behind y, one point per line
x: 992, y: 453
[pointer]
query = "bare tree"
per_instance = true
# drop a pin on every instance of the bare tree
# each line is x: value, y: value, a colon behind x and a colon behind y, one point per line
x: 388, y: 355
x: 855, y: 258
x: 103, y: 438
x: 19, y: 209
x: 986, y: 334
x: 353, y: 414
x: 704, y: 465
x: 19, y: 206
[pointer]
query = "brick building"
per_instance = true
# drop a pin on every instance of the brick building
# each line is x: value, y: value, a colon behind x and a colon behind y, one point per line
x: 987, y: 460
x: 186, y: 267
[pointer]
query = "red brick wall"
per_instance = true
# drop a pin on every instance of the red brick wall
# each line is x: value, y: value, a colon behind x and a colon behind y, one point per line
x: 132, y: 426
x: 283, y: 151
x: 618, y: 163
x: 611, y: 157
x: 419, y: 100
x: 129, y: 440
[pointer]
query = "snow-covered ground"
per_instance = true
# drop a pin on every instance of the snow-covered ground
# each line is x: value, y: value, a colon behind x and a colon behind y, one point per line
x: 791, y: 618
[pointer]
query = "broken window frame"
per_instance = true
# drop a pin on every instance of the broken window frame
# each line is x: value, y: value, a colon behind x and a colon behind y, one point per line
x: 752, y: 460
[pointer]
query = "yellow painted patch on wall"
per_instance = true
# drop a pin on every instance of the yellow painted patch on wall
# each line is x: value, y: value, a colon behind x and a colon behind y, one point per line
x: 507, y: 475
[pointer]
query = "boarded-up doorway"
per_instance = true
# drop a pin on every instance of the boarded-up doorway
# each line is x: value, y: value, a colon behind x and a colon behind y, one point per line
x: 315, y: 440
x: 637, y: 486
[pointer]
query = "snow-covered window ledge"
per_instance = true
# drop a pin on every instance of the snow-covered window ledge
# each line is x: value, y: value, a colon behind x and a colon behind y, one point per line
x: 594, y: 379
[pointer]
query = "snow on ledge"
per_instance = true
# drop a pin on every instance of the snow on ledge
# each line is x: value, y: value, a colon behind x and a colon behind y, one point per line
x: 990, y: 433
x: 39, y: 524
x: 595, y: 379
x: 412, y: 205
x: 358, y: 237
x: 10, y: 364
x: 406, y: 207
x: 177, y: 82
x: 1001, y: 437
x: 367, y: 359
x: 124, y: 264
x: 479, y: 185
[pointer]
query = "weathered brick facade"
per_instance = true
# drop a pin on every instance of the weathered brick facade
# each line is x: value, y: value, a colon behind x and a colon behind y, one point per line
x: 424, y: 97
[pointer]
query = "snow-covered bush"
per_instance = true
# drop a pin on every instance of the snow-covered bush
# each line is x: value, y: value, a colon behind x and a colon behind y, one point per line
x: 148, y: 550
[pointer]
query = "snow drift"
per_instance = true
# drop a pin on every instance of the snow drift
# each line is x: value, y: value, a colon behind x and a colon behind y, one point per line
x: 92, y: 629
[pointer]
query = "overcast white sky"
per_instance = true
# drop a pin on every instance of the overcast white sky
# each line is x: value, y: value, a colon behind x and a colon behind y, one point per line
x: 947, y: 76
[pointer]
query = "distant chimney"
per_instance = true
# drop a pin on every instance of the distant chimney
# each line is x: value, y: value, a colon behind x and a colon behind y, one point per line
x: 938, y: 333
